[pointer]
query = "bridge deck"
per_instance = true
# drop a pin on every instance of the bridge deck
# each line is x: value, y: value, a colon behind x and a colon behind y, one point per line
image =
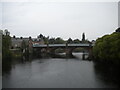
x: 62, y: 45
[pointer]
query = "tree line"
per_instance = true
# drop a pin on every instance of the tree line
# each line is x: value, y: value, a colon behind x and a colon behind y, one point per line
x: 107, y: 48
x: 59, y: 40
x: 6, y: 43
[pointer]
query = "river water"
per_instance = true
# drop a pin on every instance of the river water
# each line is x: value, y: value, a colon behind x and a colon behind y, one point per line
x: 57, y: 73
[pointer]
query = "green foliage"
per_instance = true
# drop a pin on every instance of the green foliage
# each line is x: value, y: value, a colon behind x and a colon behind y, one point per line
x: 77, y: 41
x: 46, y: 39
x: 70, y: 41
x: 107, y: 48
x: 59, y: 41
x: 6, y: 43
x: 51, y: 41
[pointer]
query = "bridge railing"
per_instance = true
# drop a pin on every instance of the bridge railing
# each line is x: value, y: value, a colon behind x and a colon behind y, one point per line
x: 78, y: 44
x: 56, y: 45
x: 62, y: 45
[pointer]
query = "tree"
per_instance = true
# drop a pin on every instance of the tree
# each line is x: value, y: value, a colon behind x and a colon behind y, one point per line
x: 83, y: 37
x: 77, y: 41
x: 6, y: 44
x: 14, y: 36
x: 6, y: 53
x: 107, y: 48
x: 51, y: 40
x: 40, y: 36
x: 69, y: 40
x: 30, y: 37
x: 21, y: 37
x: 118, y: 30
x: 59, y: 41
x: 45, y: 39
x: 6, y: 32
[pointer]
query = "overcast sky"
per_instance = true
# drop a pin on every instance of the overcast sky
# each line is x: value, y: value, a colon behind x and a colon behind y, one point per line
x: 60, y: 19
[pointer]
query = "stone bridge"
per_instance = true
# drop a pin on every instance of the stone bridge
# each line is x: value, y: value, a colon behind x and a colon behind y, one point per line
x: 50, y: 48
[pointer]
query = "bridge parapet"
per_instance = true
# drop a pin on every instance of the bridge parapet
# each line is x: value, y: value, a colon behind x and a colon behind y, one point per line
x: 82, y: 44
x: 62, y: 45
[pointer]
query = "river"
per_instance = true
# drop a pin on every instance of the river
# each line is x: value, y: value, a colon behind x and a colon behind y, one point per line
x: 56, y: 73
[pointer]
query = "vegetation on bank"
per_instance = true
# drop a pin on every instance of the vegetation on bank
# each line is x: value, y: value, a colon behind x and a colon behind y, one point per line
x: 107, y: 48
x: 8, y: 54
x: 6, y: 43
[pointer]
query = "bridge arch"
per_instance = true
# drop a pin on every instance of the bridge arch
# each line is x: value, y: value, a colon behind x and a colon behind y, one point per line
x: 60, y: 50
x: 68, y: 48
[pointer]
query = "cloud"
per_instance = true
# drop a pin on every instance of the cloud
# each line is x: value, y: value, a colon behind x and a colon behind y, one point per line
x: 60, y: 19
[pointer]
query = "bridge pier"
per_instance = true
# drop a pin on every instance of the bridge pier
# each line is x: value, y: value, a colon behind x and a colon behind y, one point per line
x: 68, y: 52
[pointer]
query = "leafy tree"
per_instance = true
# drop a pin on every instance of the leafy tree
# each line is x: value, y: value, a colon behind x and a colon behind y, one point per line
x: 51, y: 41
x: 21, y: 37
x: 118, y: 30
x: 77, y: 41
x: 45, y: 39
x: 69, y: 40
x: 107, y: 48
x: 14, y: 36
x: 40, y: 36
x: 30, y: 37
x: 6, y: 43
x: 83, y: 37
x: 6, y: 32
x: 59, y: 41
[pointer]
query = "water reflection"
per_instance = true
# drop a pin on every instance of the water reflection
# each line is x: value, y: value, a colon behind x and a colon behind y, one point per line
x: 58, y: 72
x: 6, y: 66
x: 107, y: 73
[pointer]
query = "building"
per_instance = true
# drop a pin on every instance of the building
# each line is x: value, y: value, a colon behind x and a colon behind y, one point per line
x: 37, y: 41
x: 17, y: 42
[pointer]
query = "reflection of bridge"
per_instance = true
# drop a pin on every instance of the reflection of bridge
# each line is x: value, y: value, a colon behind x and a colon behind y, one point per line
x: 50, y: 48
